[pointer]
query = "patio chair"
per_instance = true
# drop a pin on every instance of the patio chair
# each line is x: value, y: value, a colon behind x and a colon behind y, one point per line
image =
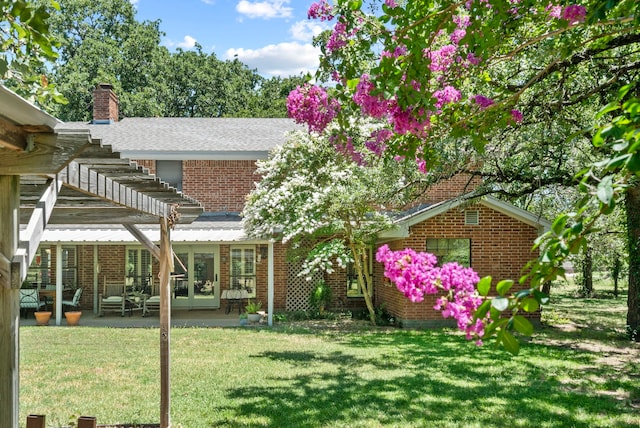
x: 113, y: 297
x: 151, y: 304
x: 74, y: 303
x: 30, y: 300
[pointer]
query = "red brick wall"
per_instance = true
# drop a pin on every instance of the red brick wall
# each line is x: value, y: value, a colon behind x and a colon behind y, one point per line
x: 219, y: 185
x: 500, y: 247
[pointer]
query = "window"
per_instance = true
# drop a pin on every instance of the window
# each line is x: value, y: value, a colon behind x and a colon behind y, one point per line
x: 171, y: 172
x: 138, y: 269
x: 69, y: 267
x: 450, y: 250
x: 243, y: 269
x: 39, y: 273
x: 353, y: 288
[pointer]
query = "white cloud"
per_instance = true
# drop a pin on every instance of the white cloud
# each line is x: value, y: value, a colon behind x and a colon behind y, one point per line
x: 208, y: 1
x: 264, y: 9
x: 306, y: 30
x: 187, y: 43
x: 283, y: 59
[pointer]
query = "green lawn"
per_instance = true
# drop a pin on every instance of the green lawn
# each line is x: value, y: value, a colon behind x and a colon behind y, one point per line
x: 575, y: 376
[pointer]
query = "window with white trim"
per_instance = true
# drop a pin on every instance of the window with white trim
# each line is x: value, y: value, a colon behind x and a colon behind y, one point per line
x: 243, y: 269
x: 138, y: 269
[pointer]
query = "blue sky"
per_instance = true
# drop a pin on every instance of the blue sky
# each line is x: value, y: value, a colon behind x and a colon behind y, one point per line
x: 272, y: 36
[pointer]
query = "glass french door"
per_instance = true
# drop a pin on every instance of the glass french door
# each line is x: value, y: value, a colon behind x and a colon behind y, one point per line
x: 196, y: 277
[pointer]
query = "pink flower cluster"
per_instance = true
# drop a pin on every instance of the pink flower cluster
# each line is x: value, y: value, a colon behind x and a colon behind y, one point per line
x: 416, y: 274
x: 574, y: 13
x: 310, y: 104
x: 339, y: 37
x: 321, y: 10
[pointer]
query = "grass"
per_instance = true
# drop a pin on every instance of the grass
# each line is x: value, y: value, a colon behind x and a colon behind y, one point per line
x: 577, y: 373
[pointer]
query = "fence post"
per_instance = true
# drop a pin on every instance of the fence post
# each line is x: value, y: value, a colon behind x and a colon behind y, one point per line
x: 36, y: 421
x: 87, y: 422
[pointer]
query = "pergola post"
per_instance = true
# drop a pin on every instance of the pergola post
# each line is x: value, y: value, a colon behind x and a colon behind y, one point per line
x: 166, y: 266
x: 9, y: 301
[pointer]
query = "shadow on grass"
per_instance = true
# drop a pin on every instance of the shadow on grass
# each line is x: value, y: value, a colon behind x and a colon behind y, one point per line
x: 430, y: 379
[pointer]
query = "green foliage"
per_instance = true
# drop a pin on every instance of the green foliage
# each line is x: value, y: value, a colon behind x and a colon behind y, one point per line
x: 253, y: 307
x: 27, y: 46
x: 310, y: 193
x: 320, y: 297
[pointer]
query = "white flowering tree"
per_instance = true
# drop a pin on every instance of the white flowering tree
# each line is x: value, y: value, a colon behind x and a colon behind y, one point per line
x: 340, y: 203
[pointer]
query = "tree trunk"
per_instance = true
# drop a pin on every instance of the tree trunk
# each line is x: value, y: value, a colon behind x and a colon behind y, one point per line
x: 361, y: 264
x: 615, y: 273
x: 632, y: 207
x: 587, y: 274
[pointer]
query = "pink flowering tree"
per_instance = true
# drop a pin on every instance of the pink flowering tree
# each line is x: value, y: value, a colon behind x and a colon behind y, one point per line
x: 479, y: 73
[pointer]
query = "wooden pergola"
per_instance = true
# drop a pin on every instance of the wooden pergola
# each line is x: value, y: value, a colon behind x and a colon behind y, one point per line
x: 50, y: 175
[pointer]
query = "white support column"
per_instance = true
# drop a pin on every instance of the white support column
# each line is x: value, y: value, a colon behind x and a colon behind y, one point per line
x: 96, y: 279
x: 270, y: 285
x: 58, y: 284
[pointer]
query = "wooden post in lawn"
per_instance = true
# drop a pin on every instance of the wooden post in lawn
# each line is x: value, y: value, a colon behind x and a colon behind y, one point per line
x: 166, y: 266
x: 9, y: 301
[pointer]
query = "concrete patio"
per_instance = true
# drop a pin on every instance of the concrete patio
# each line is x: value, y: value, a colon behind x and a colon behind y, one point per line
x: 179, y: 318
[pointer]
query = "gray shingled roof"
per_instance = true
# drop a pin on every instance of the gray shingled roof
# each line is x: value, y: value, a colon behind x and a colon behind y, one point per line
x: 190, y: 138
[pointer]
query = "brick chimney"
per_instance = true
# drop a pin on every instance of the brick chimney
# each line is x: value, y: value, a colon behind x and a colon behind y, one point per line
x: 105, y: 104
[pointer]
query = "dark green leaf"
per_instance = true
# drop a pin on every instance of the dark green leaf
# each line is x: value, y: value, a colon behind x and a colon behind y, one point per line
x: 522, y: 325
x: 541, y: 297
x: 482, y: 310
x: 509, y: 342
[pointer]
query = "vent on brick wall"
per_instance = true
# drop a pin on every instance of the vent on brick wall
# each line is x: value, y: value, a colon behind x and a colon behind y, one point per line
x: 471, y: 218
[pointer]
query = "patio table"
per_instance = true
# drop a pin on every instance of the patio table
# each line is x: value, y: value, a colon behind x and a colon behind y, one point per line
x: 234, y: 297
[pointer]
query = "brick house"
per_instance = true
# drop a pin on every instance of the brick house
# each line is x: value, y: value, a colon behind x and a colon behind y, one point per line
x: 214, y: 161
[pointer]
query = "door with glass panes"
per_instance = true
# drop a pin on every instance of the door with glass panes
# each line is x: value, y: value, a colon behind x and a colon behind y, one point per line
x: 195, y: 281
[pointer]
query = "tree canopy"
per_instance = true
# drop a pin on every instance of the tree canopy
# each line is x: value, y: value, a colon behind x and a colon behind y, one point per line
x: 308, y: 193
x: 101, y: 41
x: 512, y: 85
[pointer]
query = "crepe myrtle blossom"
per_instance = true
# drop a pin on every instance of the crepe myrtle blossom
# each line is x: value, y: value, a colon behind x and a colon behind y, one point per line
x: 516, y: 116
x: 321, y: 10
x: 416, y: 275
x: 310, y: 104
x: 574, y: 14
